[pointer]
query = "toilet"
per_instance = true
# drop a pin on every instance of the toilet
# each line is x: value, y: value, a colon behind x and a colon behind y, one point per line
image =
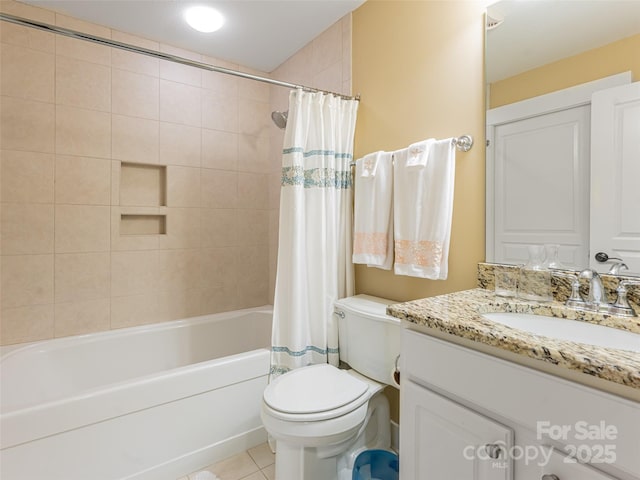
x: 321, y: 417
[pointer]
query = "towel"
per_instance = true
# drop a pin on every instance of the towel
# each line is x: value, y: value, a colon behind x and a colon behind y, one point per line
x: 373, y: 215
x: 424, y: 176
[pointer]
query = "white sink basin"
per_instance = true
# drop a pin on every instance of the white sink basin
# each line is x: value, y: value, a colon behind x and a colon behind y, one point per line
x: 571, y: 330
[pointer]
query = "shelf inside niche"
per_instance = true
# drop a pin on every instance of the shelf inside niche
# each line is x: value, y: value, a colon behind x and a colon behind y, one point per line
x: 143, y: 185
x: 143, y: 224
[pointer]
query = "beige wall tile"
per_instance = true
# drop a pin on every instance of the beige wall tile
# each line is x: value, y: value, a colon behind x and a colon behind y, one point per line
x: 136, y: 310
x: 134, y: 94
x: 254, y: 118
x: 253, y: 264
x: 253, y: 154
x: 81, y: 228
x: 86, y: 316
x: 219, y: 111
x: 27, y: 37
x: 82, y: 180
x: 135, y: 139
x: 83, y: 132
x: 26, y: 324
x: 27, y: 280
x: 330, y: 78
x: 219, y: 189
x: 274, y: 187
x: 180, y: 103
x: 26, y: 73
x: 252, y: 90
x: 327, y: 47
x: 220, y: 82
x: 183, y: 186
x: 134, y: 62
x: 253, y: 227
x: 82, y: 276
x: 219, y: 298
x: 179, y: 145
x: 219, y: 267
x: 83, y: 84
x: 182, y: 304
x: 27, y: 177
x: 134, y: 273
x: 183, y: 229
x: 177, y: 72
x: 82, y: 50
x: 219, y: 227
x: 252, y: 190
x: 219, y: 149
x: 27, y: 11
x: 27, y: 125
x: 179, y: 270
x: 26, y: 228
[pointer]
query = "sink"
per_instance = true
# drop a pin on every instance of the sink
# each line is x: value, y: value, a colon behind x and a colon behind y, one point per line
x: 570, y: 330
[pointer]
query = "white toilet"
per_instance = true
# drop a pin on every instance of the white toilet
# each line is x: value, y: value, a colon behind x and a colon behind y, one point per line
x: 322, y: 417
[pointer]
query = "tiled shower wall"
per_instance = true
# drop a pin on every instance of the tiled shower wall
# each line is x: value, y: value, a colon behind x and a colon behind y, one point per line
x: 72, y: 114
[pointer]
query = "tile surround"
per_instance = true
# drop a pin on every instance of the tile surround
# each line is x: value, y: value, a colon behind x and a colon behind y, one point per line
x: 71, y: 112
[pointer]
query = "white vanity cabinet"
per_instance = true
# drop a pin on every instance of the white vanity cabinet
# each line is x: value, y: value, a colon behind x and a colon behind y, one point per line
x: 458, y: 405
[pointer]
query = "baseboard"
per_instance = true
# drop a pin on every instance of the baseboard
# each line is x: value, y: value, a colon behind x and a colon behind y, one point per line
x: 192, y: 461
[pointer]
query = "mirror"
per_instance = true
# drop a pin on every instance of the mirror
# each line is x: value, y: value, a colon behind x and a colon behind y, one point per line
x: 536, y: 48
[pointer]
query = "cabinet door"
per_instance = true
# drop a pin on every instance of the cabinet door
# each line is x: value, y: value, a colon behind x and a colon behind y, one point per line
x: 444, y: 440
x: 566, y: 468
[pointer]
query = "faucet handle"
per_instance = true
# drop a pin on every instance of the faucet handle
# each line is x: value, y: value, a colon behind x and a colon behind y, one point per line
x: 621, y: 306
x: 574, y: 300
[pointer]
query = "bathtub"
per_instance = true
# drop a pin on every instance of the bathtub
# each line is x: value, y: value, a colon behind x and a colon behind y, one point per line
x: 151, y: 402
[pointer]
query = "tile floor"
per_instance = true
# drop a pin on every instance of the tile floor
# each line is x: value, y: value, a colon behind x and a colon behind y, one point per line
x: 257, y: 463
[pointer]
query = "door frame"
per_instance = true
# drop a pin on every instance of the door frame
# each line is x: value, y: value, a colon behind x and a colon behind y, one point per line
x: 552, y: 102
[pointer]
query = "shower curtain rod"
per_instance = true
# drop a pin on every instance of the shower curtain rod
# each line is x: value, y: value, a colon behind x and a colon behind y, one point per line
x: 163, y: 56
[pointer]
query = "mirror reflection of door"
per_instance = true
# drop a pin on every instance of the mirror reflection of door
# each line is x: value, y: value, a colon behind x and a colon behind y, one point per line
x: 615, y: 175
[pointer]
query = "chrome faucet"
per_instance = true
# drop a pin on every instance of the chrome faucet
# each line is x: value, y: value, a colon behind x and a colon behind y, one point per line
x: 616, y: 267
x: 596, y: 295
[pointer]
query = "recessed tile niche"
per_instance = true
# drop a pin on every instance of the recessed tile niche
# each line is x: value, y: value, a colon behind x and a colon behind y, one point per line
x: 142, y: 186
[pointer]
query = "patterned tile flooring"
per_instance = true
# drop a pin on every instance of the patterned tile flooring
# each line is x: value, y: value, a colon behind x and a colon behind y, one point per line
x: 257, y: 463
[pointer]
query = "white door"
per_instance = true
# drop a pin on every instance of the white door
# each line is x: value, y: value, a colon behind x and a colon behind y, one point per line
x: 446, y: 441
x: 541, y: 189
x: 615, y: 175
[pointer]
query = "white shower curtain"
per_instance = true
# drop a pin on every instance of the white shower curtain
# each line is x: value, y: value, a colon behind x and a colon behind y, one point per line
x: 314, y: 251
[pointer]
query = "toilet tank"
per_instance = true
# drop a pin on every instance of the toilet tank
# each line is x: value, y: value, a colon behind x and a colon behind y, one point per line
x: 369, y: 339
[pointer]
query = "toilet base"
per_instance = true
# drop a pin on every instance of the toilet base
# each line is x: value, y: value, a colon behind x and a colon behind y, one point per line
x: 335, y: 462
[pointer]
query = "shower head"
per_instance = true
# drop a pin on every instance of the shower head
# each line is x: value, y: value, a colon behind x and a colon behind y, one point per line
x: 280, y: 118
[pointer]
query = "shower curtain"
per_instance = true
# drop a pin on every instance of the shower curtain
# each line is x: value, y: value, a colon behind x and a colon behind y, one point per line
x: 314, y: 250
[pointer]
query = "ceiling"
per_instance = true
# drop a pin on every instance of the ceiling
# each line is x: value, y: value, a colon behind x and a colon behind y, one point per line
x: 537, y: 32
x: 259, y: 34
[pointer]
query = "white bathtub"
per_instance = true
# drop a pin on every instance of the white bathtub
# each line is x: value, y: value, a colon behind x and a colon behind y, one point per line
x: 152, y: 402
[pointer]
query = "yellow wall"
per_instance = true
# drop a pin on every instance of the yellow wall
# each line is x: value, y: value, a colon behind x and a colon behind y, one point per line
x: 418, y: 67
x: 617, y: 57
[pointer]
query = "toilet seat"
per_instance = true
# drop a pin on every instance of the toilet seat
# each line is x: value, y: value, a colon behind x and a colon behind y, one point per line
x: 314, y: 393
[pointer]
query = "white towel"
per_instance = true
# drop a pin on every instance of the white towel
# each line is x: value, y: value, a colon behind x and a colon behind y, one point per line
x: 373, y: 216
x: 423, y: 181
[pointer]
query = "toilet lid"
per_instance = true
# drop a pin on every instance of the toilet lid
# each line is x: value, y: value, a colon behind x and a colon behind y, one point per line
x: 312, y: 389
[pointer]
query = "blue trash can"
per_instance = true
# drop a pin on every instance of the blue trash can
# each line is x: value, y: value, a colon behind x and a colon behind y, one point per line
x: 376, y: 465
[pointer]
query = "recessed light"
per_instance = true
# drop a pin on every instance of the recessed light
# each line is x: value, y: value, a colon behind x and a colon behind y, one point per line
x: 204, y: 19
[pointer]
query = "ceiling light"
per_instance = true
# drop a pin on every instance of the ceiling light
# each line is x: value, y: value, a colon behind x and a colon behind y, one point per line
x: 204, y: 19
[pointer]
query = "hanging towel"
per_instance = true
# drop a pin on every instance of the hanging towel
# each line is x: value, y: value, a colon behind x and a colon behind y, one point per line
x: 423, y: 181
x: 373, y: 216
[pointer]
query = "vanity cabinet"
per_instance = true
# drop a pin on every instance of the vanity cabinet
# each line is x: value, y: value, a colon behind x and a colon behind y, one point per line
x: 441, y: 432
x: 458, y: 405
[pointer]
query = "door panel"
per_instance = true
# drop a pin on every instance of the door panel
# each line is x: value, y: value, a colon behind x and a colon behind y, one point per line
x: 542, y: 186
x: 615, y: 175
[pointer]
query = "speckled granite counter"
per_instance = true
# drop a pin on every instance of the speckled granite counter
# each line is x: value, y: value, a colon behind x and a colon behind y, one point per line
x: 459, y: 314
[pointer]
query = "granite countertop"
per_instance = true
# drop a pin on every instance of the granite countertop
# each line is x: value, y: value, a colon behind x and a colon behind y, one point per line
x: 459, y: 314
